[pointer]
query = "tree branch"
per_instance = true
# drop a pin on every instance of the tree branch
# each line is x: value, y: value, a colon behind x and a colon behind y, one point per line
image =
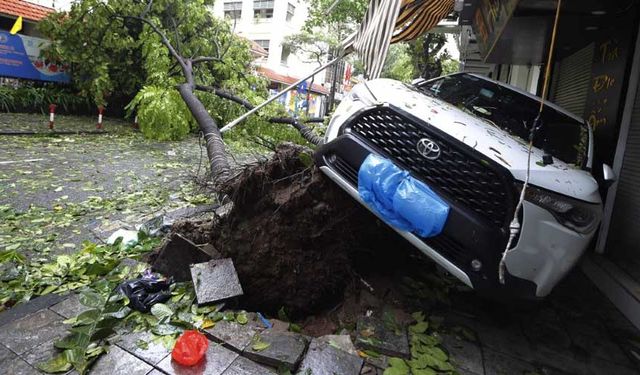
x: 226, y: 95
x: 201, y: 59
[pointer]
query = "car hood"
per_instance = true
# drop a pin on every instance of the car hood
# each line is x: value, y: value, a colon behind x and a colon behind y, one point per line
x: 494, y: 143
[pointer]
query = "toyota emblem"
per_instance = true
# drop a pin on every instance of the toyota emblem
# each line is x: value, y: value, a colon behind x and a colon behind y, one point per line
x: 428, y: 148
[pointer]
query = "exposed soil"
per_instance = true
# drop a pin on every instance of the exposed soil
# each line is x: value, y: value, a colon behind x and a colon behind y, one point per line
x: 296, y: 239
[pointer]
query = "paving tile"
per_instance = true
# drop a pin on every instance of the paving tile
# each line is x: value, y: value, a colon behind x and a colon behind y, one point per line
x: 599, y: 367
x: 323, y: 359
x: 155, y: 372
x: 215, y: 281
x: 117, y: 361
x: 244, y: 366
x: 70, y: 307
x: 285, y: 349
x: 154, y: 352
x: 41, y: 353
x: 34, y: 330
x: 11, y: 364
x: 371, y: 370
x: 464, y: 355
x: 216, y: 361
x: 24, y: 309
x: 233, y: 335
x: 500, y: 364
x: 373, y: 335
x: 342, y: 342
x: 602, y: 348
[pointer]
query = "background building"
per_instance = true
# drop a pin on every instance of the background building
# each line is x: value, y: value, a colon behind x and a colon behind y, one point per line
x: 267, y: 23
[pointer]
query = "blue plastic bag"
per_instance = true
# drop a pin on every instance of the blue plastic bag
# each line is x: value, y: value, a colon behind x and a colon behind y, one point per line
x: 401, y: 200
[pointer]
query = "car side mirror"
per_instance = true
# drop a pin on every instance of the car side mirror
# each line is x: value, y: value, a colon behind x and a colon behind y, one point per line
x: 608, y: 175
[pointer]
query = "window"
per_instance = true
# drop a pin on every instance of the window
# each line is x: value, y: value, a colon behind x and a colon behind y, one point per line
x: 291, y: 10
x: 513, y: 112
x: 286, y: 51
x: 263, y: 43
x: 233, y: 10
x: 263, y: 9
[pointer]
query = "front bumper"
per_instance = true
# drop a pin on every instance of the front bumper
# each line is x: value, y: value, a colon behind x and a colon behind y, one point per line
x: 466, y: 237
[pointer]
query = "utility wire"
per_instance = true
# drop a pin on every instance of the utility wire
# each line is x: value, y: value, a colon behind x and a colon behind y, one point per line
x: 514, y: 227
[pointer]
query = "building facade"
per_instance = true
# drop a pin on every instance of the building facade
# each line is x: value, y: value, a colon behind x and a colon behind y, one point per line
x: 595, y: 75
x: 267, y: 23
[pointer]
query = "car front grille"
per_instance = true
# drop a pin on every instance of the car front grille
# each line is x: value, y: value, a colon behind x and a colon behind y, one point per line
x: 459, y: 173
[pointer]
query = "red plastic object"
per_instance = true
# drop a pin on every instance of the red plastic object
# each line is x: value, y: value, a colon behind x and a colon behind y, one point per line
x: 190, y: 348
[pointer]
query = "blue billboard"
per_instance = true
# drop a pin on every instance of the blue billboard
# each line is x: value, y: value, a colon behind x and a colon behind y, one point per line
x: 20, y: 57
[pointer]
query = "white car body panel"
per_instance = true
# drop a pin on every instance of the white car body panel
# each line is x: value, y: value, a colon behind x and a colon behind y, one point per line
x: 546, y: 250
x: 478, y: 134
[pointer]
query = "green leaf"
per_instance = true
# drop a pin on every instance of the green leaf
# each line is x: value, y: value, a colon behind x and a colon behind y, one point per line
x: 282, y: 315
x: 91, y: 299
x: 241, y: 318
x: 165, y: 330
x: 87, y: 317
x: 397, y: 366
x: 259, y: 345
x: 420, y: 327
x: 161, y: 311
x: 56, y: 364
x: 418, y: 316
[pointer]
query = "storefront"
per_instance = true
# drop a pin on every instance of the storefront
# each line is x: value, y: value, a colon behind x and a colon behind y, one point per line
x: 594, y: 75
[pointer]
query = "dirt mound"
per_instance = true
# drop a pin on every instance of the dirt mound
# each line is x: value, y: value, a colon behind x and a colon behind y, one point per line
x: 294, y: 236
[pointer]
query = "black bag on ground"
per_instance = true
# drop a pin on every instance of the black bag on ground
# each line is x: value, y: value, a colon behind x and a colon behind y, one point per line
x: 145, y: 292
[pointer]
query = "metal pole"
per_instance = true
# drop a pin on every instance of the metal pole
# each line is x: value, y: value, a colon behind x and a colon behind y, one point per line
x: 235, y: 122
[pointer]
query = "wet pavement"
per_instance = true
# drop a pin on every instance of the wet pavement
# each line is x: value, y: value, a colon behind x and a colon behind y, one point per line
x: 59, y: 190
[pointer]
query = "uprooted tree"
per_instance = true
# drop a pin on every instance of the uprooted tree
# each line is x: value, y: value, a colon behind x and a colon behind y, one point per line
x: 291, y: 232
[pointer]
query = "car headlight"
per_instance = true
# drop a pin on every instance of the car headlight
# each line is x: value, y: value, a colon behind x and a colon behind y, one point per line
x: 574, y: 214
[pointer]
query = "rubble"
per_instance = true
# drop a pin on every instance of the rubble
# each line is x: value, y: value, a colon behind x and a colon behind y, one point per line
x: 322, y: 358
x: 215, y: 281
x: 284, y: 350
x: 374, y: 334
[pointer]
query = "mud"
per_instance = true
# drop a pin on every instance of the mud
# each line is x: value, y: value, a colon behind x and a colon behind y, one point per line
x: 294, y: 236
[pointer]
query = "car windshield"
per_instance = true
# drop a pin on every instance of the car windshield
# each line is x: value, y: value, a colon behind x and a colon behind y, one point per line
x: 561, y: 136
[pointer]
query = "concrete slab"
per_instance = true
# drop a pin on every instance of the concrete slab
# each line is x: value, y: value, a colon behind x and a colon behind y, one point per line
x: 149, y: 351
x: 373, y: 335
x: 342, y: 342
x: 118, y: 361
x: 70, y: 307
x: 32, y: 331
x: 176, y: 257
x: 215, y: 281
x: 232, y: 335
x: 284, y: 350
x: 323, y: 359
x: 216, y: 361
x: 244, y: 366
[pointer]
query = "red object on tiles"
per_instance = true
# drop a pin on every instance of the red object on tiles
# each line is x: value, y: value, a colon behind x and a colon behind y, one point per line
x: 190, y: 348
x: 25, y: 9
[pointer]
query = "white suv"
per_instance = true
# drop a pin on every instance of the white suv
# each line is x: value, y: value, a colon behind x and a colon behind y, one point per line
x: 466, y: 138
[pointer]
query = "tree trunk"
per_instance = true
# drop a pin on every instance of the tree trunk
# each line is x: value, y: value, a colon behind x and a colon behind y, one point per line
x: 219, y: 164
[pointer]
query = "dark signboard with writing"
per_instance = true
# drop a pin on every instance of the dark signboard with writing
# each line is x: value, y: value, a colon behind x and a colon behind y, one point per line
x: 490, y: 18
x: 606, y: 89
